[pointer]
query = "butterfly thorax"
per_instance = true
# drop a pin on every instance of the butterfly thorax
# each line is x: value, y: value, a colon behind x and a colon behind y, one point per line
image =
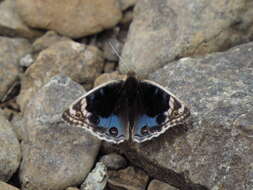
x: 130, y: 89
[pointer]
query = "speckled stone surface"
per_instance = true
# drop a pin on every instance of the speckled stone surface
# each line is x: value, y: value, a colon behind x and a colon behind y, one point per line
x: 114, y: 161
x: 74, y: 19
x: 11, y: 24
x: 5, y: 186
x: 80, y: 62
x: 166, y: 30
x: 97, y: 178
x: 215, y: 149
x: 128, y: 178
x: 10, y: 153
x: 55, y: 155
x: 158, y: 185
x: 11, y: 51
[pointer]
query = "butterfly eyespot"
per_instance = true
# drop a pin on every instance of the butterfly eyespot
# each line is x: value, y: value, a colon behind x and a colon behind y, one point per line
x: 155, y: 129
x: 113, y: 131
x: 145, y: 130
x: 93, y: 119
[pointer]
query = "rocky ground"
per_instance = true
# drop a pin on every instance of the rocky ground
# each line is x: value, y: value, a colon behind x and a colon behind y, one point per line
x: 53, y: 52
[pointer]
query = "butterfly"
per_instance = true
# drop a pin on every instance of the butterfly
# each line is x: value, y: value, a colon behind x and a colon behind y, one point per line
x: 131, y: 109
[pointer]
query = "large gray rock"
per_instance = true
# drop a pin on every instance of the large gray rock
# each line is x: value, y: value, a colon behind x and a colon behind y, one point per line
x: 80, y: 62
x: 70, y: 18
x: 12, y: 49
x: 55, y: 155
x: 11, y: 24
x: 10, y: 150
x: 216, y: 152
x: 165, y: 30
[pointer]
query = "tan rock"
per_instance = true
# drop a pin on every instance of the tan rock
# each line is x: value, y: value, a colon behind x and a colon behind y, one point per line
x: 129, y: 178
x: 106, y: 77
x: 158, y: 185
x: 125, y: 4
x: 76, y: 18
x: 79, y: 62
x: 127, y: 17
x: 47, y: 40
x: 11, y: 24
x: 11, y: 51
x: 109, y: 67
x: 6, y: 186
x: 72, y: 188
x: 114, y: 161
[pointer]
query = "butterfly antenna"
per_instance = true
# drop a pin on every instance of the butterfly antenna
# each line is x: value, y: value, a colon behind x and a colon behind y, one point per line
x: 120, y: 58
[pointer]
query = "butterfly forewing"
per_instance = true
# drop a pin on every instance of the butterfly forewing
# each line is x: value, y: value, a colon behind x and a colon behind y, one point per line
x: 100, y: 112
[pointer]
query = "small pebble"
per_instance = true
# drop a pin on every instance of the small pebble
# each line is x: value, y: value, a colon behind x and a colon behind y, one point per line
x: 97, y: 178
x: 114, y: 161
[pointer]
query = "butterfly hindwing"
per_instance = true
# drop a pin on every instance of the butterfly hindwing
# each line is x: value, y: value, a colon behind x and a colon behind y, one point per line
x: 99, y: 112
x: 158, y: 111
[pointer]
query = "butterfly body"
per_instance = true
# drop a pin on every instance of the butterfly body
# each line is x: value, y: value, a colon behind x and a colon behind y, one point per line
x: 131, y: 109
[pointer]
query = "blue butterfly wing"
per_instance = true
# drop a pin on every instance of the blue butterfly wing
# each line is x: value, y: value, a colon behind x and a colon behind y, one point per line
x: 157, y: 111
x: 109, y: 109
x: 100, y: 112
